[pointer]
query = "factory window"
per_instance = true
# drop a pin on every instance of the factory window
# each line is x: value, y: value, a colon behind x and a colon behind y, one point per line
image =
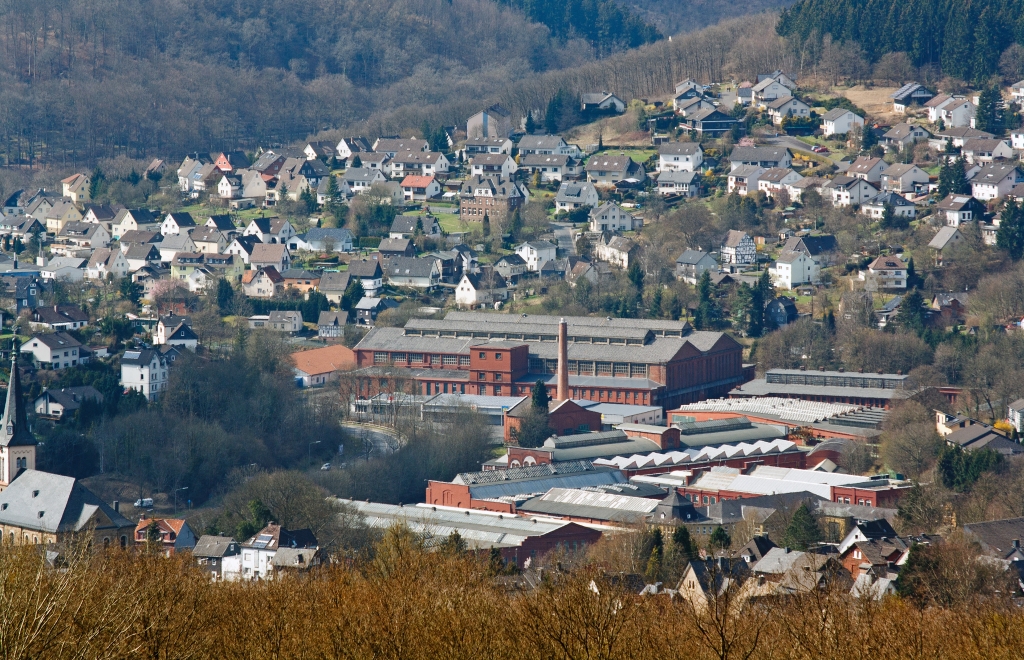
x: 536, y: 366
x: 463, y: 360
x: 497, y: 376
x: 638, y: 370
x: 586, y: 368
x: 450, y: 360
x: 481, y: 375
x: 399, y: 357
x: 497, y: 356
x: 435, y: 359
x: 483, y: 356
x: 604, y: 368
x: 551, y: 366
x: 415, y: 357
x: 621, y: 369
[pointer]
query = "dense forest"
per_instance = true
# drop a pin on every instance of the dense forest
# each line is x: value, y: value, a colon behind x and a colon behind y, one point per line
x: 602, y: 23
x: 966, y: 39
x: 675, y: 16
x: 84, y: 80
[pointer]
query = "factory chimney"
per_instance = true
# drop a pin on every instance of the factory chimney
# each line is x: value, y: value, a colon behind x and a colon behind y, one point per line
x: 563, y: 362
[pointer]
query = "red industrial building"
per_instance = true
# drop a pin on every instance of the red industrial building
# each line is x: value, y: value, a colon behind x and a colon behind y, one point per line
x: 632, y: 361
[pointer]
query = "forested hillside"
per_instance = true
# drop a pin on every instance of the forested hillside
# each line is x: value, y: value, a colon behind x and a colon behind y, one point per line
x: 675, y: 16
x: 965, y: 38
x: 86, y: 79
x: 602, y: 23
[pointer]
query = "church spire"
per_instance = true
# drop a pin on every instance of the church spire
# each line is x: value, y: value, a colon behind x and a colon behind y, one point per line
x: 14, y: 425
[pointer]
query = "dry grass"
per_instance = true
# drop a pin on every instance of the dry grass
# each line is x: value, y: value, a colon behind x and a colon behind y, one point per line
x: 876, y: 101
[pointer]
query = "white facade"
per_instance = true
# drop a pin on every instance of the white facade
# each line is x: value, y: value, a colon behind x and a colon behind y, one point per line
x: 793, y: 269
x: 841, y: 124
x: 536, y: 254
x: 144, y: 371
x: 680, y: 157
x: 611, y: 217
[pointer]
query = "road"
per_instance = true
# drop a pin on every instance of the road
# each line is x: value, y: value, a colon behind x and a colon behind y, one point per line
x: 362, y: 436
x: 793, y: 143
x: 563, y: 234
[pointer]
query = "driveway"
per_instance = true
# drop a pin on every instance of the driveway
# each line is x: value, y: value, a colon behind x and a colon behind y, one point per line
x: 563, y: 234
x: 793, y: 143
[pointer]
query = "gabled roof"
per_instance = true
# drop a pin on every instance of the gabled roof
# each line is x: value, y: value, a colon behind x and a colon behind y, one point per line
x: 887, y: 263
x: 679, y: 148
x: 59, y: 314
x: 692, y: 257
x: 334, y: 281
x: 864, y: 165
x: 332, y: 318
x: 837, y: 113
x: 215, y: 546
x: 268, y: 252
x: 365, y: 268
x: 246, y: 243
x: 181, y: 219
x: 994, y: 173
x: 268, y: 271
x: 783, y: 101
x: 758, y: 154
x: 541, y: 142
x: 997, y: 537
x: 55, y: 504
x: 734, y: 238
x: 417, y: 181
x: 890, y: 198
x: 410, y: 267
x: 324, y: 360
x: 79, y: 229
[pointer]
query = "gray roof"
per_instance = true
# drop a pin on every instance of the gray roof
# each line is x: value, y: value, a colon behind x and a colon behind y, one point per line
x: 588, y: 504
x: 677, y: 176
x: 943, y: 237
x: 139, y: 357
x: 758, y: 154
x: 836, y: 113
x: 364, y: 268
x: 678, y: 148
x: 536, y: 142
x: 54, y: 503
x: 354, y: 174
x: 332, y: 318
x: 997, y: 536
x: 692, y: 257
x: 538, y: 479
x: 215, y: 546
x: 890, y: 198
x: 410, y: 267
x: 573, y: 192
x: 334, y: 282
x: 540, y: 160
x: 57, y: 340
x: 744, y: 171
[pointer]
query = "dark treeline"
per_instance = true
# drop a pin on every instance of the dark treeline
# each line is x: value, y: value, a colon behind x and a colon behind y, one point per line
x: 675, y: 16
x: 603, y: 23
x: 966, y: 39
x: 89, y: 80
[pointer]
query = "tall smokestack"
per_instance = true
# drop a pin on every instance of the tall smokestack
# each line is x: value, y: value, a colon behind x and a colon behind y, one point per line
x: 563, y: 361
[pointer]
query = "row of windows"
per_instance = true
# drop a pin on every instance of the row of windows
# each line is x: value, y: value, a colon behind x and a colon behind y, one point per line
x: 846, y: 500
x: 383, y: 357
x: 590, y: 368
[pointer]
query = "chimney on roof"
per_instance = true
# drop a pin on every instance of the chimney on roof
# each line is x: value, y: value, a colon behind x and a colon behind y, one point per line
x: 1016, y: 544
x: 563, y: 361
x: 117, y: 506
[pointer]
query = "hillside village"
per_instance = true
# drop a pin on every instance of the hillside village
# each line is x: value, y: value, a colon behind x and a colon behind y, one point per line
x: 607, y: 311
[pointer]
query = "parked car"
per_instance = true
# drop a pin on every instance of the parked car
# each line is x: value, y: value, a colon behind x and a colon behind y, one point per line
x: 144, y: 503
x: 820, y: 149
x: 325, y: 467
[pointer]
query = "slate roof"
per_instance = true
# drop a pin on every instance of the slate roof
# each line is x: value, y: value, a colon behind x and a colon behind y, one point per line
x: 268, y: 252
x: 410, y: 267
x: 997, y: 537
x: 54, y: 504
x: 691, y: 257
x: 943, y: 237
x: 365, y: 268
x: 679, y: 148
x: 334, y: 281
x: 836, y: 113
x: 758, y: 154
x: 216, y: 546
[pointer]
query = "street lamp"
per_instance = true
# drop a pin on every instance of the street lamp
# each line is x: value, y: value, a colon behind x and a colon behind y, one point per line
x: 310, y: 458
x: 176, y: 497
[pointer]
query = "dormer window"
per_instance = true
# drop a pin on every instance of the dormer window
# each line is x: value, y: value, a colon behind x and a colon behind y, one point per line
x: 35, y: 493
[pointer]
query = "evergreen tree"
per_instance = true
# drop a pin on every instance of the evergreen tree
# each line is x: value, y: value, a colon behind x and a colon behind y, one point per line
x: 868, y: 138
x: 803, y: 530
x: 357, y: 161
x: 96, y: 183
x: 911, y: 315
x: 453, y: 545
x: 990, y: 115
x: 531, y: 125
x: 682, y: 543
x: 720, y: 538
x: 636, y: 275
x: 755, y: 319
x: 1010, y: 235
x: 707, y: 315
x: 486, y: 225
x: 308, y: 198
x: 515, y: 225
x: 353, y: 294
x: 225, y: 295
x: 766, y: 286
x: 332, y: 197
x: 656, y: 311
x: 539, y: 396
x: 911, y: 273
x: 553, y: 115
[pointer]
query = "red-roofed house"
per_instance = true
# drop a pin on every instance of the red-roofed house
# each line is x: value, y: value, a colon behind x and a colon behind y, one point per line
x: 420, y: 188
x: 174, y: 534
x: 318, y: 366
x: 262, y: 283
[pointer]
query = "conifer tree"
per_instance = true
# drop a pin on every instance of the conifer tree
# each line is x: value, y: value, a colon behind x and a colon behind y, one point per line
x: 803, y: 530
x: 1010, y: 235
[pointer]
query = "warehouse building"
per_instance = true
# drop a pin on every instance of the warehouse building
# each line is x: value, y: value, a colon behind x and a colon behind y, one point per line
x: 645, y: 362
x: 860, y: 389
x: 518, y: 538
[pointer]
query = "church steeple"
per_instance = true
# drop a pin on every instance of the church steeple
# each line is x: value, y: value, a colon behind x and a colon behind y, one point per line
x: 14, y: 430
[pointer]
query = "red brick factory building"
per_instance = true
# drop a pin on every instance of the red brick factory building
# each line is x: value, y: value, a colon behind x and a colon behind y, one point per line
x: 631, y: 361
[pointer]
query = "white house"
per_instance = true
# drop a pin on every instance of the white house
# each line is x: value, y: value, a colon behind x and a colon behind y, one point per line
x: 682, y: 183
x: 903, y: 178
x: 54, y: 351
x: 769, y: 90
x: 743, y: 179
x: 71, y: 269
x: 849, y: 190
x: 106, y: 262
x: 788, y: 106
x: 417, y: 188
x: 680, y: 156
x: 980, y: 150
x: 474, y: 290
x: 958, y: 209
x: 270, y: 230
x: 485, y: 164
x: 867, y: 168
x: 617, y: 251
x: 611, y: 217
x: 887, y: 273
x: 547, y: 145
x: 426, y: 163
x: 770, y: 182
x: 536, y: 254
x: 953, y: 111
x: 794, y: 268
x: 738, y: 248
x: 995, y: 180
x: 144, y: 371
x: 572, y: 195
x: 552, y: 167
x: 602, y: 102
x: 177, y: 223
x: 839, y: 121
x: 874, y: 208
